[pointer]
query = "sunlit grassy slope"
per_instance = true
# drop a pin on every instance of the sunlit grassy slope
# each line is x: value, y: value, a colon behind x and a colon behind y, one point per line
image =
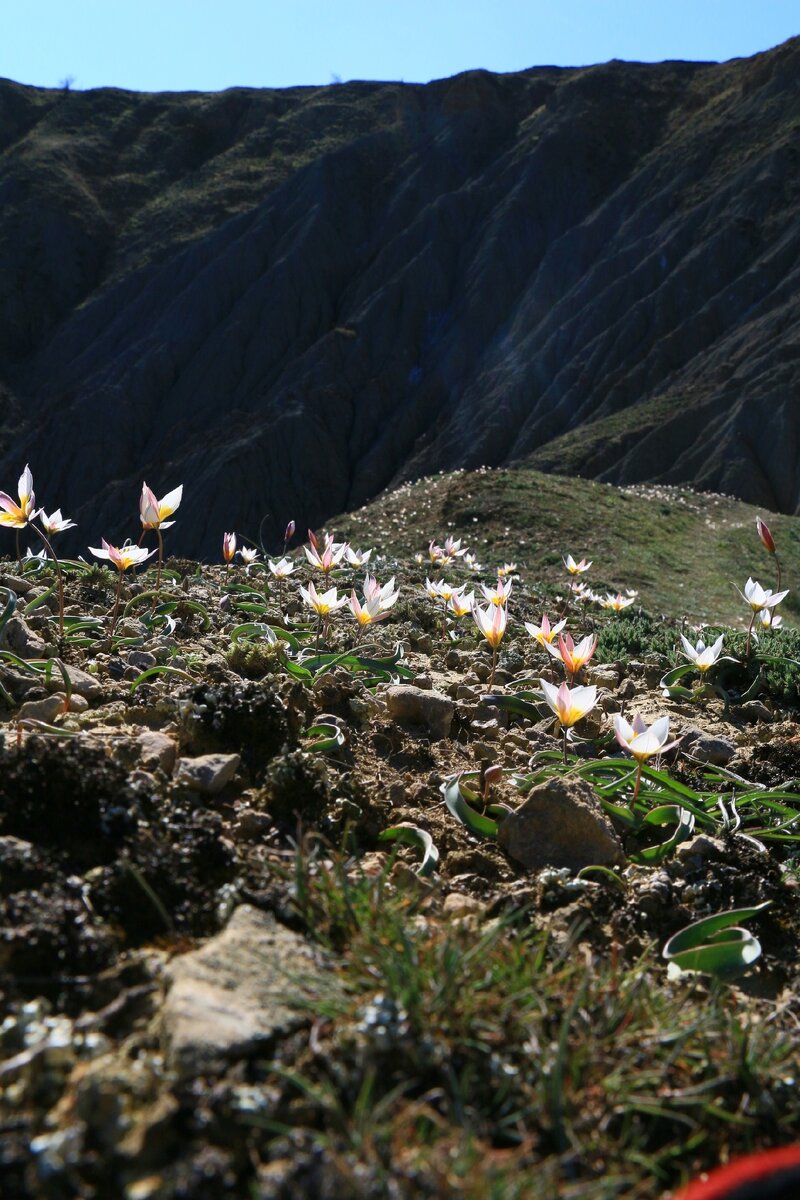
x: 682, y: 550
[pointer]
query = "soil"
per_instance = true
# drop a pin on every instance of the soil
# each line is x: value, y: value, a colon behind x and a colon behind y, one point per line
x: 111, y: 867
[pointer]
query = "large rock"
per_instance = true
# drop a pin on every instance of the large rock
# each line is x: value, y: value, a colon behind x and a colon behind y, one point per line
x: 242, y: 990
x: 383, y: 279
x: 560, y: 824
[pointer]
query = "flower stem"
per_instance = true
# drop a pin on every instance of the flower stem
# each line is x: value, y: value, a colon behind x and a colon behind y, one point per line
x: 57, y: 566
x: 494, y: 664
x: 637, y: 785
x: 115, y: 610
x: 749, y: 632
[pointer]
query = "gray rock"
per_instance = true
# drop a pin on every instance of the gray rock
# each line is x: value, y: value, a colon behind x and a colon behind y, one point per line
x: 43, y: 710
x: 156, y: 750
x: 20, y: 639
x: 419, y: 707
x: 141, y: 659
x: 699, y: 849
x: 756, y: 710
x: 209, y: 773
x: 81, y: 682
x: 560, y: 824
x: 239, y: 992
x: 707, y: 748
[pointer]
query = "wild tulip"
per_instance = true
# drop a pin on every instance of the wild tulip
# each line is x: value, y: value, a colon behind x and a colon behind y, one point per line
x: 642, y: 741
x: 498, y: 594
x: 461, y: 602
x: 491, y: 621
x: 357, y: 558
x: 573, y: 657
x: 248, y: 555
x: 386, y: 596
x: 545, y: 632
x: 123, y: 558
x: 153, y: 514
x: 55, y: 523
x: 288, y: 534
x: 323, y: 605
x: 328, y: 556
x: 758, y: 599
x: 18, y: 515
x: 618, y: 602
x: 576, y: 568
x: 701, y: 655
x: 768, y: 542
x: 228, y: 546
x: 569, y: 704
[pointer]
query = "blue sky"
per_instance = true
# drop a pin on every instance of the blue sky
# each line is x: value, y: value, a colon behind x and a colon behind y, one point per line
x: 207, y: 45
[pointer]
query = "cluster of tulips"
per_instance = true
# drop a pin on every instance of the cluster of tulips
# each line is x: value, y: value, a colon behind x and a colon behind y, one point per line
x: 569, y: 702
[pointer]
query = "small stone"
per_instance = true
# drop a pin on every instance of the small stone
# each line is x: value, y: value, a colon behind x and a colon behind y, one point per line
x: 156, y: 750
x: 45, y: 710
x: 627, y: 690
x: 700, y: 849
x: 20, y: 639
x: 452, y: 659
x: 603, y: 675
x: 141, y: 659
x: 208, y: 774
x: 483, y: 752
x: 715, y: 750
x: 423, y: 681
x: 81, y: 683
x: 456, y: 904
x: 78, y: 704
x: 251, y: 984
x: 560, y: 824
x: 420, y: 707
x: 756, y: 710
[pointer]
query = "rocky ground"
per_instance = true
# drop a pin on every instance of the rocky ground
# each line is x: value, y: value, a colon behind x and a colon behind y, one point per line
x: 219, y: 979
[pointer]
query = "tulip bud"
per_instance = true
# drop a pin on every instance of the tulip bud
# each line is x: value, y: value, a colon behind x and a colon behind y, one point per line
x: 767, y: 540
x: 228, y: 546
x: 289, y: 534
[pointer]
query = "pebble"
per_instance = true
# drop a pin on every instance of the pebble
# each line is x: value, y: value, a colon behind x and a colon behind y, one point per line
x: 45, y: 710
x: 417, y: 706
x: 707, y: 748
x: 156, y: 750
x: 208, y: 774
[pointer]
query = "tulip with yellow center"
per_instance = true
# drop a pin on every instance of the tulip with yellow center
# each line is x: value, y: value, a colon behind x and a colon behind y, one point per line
x: 462, y: 602
x: 491, y: 621
x: 123, y: 558
x: 327, y: 556
x: 642, y: 741
x: 153, y: 514
x: 701, y: 655
x: 569, y: 704
x: 545, y: 632
x: 441, y: 591
x: 576, y: 568
x: 618, y: 602
x: 499, y: 594
x: 758, y: 599
x: 323, y: 605
x: 17, y: 516
x: 573, y: 657
x: 248, y: 555
x: 228, y: 547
